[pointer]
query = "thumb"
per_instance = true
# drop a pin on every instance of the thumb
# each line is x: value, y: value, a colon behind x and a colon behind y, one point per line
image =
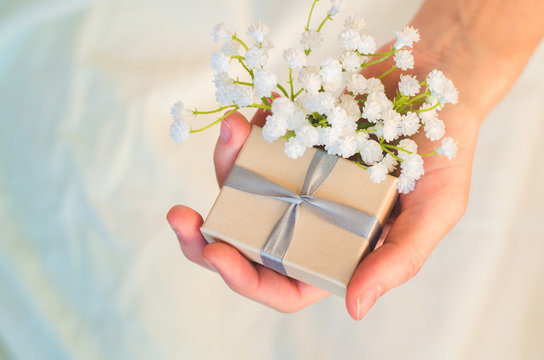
x: 234, y: 131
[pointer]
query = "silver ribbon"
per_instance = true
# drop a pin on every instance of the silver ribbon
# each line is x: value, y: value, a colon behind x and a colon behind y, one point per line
x: 344, y: 216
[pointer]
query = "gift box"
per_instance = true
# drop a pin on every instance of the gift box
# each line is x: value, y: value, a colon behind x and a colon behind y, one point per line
x: 313, y: 218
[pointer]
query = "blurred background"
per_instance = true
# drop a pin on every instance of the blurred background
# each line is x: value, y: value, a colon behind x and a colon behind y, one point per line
x: 89, y: 268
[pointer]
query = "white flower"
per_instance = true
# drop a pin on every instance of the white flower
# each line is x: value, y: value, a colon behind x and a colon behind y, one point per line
x: 377, y: 172
x: 355, y: 22
x: 258, y: 31
x: 374, y: 85
x: 219, y: 32
x: 274, y: 128
x: 179, y: 131
x: 264, y: 81
x: 350, y: 39
x: 295, y: 58
x: 442, y: 87
x: 390, y: 163
x: 367, y: 45
x: 375, y: 106
x: 310, y: 79
x: 321, y: 103
x: 436, y: 81
x: 410, y: 123
x: 243, y: 95
x: 427, y: 114
x: 434, y: 129
x: 371, y: 152
x: 405, y: 184
x: 404, y: 59
x: 338, y: 117
x: 351, y: 106
x: 336, y: 7
x: 409, y: 146
x: 230, y: 48
x: 225, y: 95
x: 283, y: 106
x: 356, y: 83
x: 307, y: 135
x: 448, y: 148
x: 267, y: 44
x: 351, y: 62
x: 450, y: 94
x: 225, y: 89
x: 412, y: 166
x: 256, y: 58
x: 408, y: 85
x: 297, y: 119
x: 179, y: 112
x: 331, y: 74
x: 391, y: 125
x: 347, y: 146
x: 406, y: 37
x: 311, y: 39
x: 220, y: 62
x: 294, y: 148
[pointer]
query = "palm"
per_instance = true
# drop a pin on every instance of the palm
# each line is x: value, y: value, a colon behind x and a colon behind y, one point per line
x: 422, y: 219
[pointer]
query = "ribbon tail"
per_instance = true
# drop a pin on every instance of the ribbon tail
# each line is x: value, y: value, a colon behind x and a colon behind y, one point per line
x: 347, y: 217
x: 279, y: 240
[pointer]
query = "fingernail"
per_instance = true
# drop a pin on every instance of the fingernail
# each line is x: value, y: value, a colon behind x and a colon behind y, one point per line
x: 178, y: 235
x: 224, y: 134
x: 366, y: 300
x: 212, y: 265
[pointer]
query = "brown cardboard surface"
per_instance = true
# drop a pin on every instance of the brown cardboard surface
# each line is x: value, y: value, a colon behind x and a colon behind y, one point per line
x: 320, y: 253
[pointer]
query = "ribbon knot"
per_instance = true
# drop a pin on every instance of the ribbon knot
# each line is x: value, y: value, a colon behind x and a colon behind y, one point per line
x: 344, y: 216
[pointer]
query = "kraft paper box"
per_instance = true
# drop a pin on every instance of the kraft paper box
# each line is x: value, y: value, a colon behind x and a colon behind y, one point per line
x: 320, y: 252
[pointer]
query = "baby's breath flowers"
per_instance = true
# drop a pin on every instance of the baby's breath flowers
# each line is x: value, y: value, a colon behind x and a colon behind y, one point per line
x: 331, y: 104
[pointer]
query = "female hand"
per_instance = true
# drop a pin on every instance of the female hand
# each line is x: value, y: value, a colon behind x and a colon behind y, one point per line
x: 425, y: 215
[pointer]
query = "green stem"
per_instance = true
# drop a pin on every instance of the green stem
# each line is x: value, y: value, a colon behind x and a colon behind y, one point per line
x: 428, y: 109
x: 428, y: 154
x: 265, y: 101
x: 196, y: 112
x: 215, y: 122
x: 241, y: 61
x: 265, y: 107
x: 310, y: 15
x: 243, y: 83
x: 236, y: 38
x: 365, y: 65
x: 360, y: 165
x: 328, y: 17
x: 282, y: 90
x: 297, y: 94
x: 390, y: 153
x: 387, y: 72
x: 291, y: 84
x: 397, y: 148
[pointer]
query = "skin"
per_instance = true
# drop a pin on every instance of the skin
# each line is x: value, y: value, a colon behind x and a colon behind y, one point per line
x: 482, y: 46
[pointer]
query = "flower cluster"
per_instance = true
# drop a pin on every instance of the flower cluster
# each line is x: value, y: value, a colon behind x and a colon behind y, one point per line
x: 331, y: 104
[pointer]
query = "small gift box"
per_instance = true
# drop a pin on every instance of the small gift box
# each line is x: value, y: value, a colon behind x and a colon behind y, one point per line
x: 312, y: 218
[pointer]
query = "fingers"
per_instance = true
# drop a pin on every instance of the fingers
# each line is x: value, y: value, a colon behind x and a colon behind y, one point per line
x: 259, y: 283
x: 186, y: 225
x: 410, y: 241
x: 234, y: 131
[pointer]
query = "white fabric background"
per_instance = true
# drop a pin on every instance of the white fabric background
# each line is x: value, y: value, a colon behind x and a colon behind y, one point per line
x: 89, y: 268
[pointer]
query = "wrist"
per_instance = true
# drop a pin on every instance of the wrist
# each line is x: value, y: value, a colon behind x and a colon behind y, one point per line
x: 466, y: 40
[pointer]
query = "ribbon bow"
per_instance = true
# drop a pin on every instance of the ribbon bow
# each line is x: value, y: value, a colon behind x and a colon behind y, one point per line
x: 344, y: 216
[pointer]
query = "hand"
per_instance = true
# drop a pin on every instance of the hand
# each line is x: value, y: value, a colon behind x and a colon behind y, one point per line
x: 425, y: 215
